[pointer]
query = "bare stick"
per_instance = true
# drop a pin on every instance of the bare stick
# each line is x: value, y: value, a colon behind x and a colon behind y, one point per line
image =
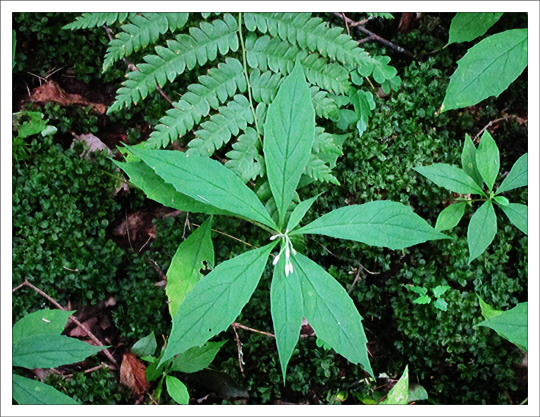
x: 241, y: 326
x: 240, y: 353
x: 87, y: 371
x: 502, y: 119
x: 73, y: 319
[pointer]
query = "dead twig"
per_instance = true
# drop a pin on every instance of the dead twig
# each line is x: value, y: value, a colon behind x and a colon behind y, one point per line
x: 73, y: 319
x: 502, y: 119
x: 241, y: 326
x: 87, y: 371
x: 240, y: 353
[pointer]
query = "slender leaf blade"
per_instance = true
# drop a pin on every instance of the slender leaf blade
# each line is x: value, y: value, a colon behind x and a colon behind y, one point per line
x: 468, y: 161
x: 517, y: 177
x: 146, y: 346
x: 487, y: 69
x: 185, y: 269
x: 289, y: 134
x: 511, y: 325
x: 177, y: 390
x: 488, y: 160
x: 379, y: 223
x: 206, y: 181
x: 196, y: 358
x: 450, y: 216
x: 41, y: 322
x: 300, y: 211
x: 481, y: 230
x: 287, y: 310
x: 331, y: 312
x: 50, y: 351
x: 30, y: 392
x: 450, y: 177
x: 517, y: 214
x: 487, y: 311
x: 466, y: 27
x: 216, y: 300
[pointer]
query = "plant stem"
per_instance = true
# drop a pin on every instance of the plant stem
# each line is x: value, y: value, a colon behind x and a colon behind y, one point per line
x: 247, y: 78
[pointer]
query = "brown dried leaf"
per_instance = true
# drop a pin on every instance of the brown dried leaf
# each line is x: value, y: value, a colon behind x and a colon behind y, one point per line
x: 52, y: 92
x: 133, y: 375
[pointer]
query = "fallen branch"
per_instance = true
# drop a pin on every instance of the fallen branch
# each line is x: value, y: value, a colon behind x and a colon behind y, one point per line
x: 236, y: 325
x: 240, y: 353
x: 502, y: 119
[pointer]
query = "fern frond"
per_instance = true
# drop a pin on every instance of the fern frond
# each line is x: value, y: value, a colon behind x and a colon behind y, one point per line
x: 319, y: 171
x: 279, y: 56
x: 264, y: 86
x: 140, y: 32
x: 324, y: 153
x: 187, y: 51
x: 245, y: 159
x: 92, y: 20
x: 218, y: 130
x: 221, y: 83
x: 324, y: 105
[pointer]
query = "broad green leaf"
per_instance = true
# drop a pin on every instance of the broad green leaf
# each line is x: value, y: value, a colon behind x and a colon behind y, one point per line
x: 468, y: 161
x: 363, y: 104
x: 466, y: 27
x: 517, y: 214
x: 155, y: 370
x: 50, y: 351
x: 440, y: 290
x: 30, y: 392
x: 289, y: 134
x: 196, y: 358
x: 216, y: 300
x: 517, y: 177
x: 144, y: 177
x: 300, y: 211
x: 450, y: 177
x: 331, y: 312
x: 287, y: 311
x: 424, y: 299
x: 487, y: 159
x: 13, y: 48
x: 399, y: 394
x: 417, y: 393
x: 441, y: 304
x: 487, y: 311
x: 186, y: 265
x: 487, y: 69
x: 417, y: 290
x: 501, y: 201
x: 511, y: 325
x: 177, y: 390
x: 207, y: 181
x: 146, y: 346
x: 379, y: 223
x: 41, y: 322
x: 450, y: 216
x: 481, y: 230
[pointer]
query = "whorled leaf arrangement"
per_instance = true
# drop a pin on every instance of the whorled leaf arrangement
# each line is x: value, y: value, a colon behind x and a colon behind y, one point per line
x: 247, y: 57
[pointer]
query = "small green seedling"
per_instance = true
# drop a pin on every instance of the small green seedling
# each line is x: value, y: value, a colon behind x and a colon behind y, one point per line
x: 480, y: 166
x: 25, y: 124
x: 426, y: 299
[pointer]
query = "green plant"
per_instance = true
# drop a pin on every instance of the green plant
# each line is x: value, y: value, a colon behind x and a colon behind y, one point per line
x: 37, y: 343
x: 479, y: 166
x: 28, y: 123
x: 423, y: 298
x: 489, y: 67
x: 300, y: 288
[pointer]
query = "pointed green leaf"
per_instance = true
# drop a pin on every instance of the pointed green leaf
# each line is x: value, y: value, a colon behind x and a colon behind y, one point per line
x: 146, y: 346
x: 50, y: 351
x: 466, y: 27
x: 501, y: 201
x: 300, y: 211
x: 186, y: 265
x: 196, y: 358
x: 487, y: 311
x: 379, y: 223
x: 417, y: 392
x: 155, y: 188
x: 417, y: 290
x: 517, y: 177
x: 450, y: 177
x: 363, y: 104
x: 511, y: 325
x: 450, y: 216
x: 517, y: 214
x: 439, y: 290
x: 30, y: 392
x: 216, y: 300
x: 206, y: 181
x: 441, y: 304
x: 287, y: 311
x: 177, y: 390
x: 468, y: 161
x: 487, y: 69
x: 481, y: 230
x: 424, y: 299
x: 289, y: 134
x: 41, y: 322
x: 487, y: 159
x: 399, y: 394
x: 331, y: 312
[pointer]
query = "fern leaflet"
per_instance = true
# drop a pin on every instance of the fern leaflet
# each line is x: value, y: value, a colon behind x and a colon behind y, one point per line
x: 187, y: 51
x: 142, y: 31
x: 245, y: 159
x: 91, y: 20
x: 324, y: 106
x: 264, y: 86
x: 216, y: 87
